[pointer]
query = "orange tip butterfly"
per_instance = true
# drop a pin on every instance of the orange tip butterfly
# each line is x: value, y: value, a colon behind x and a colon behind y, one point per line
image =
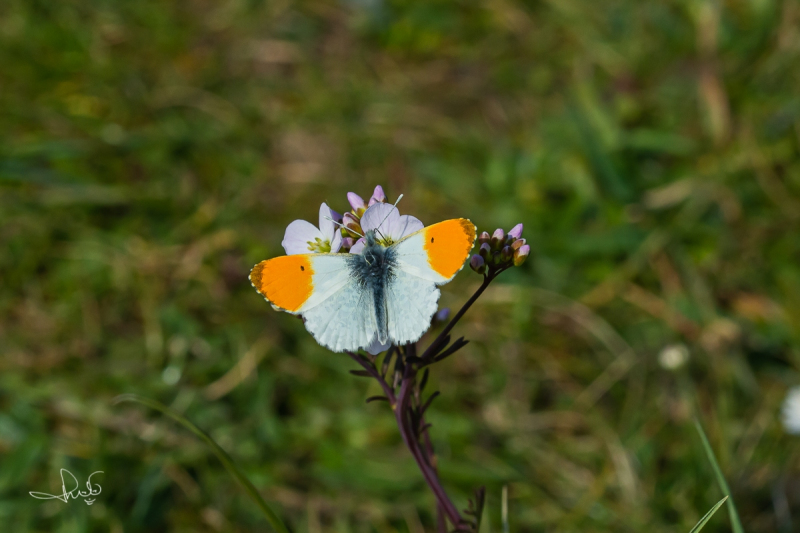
x: 386, y: 294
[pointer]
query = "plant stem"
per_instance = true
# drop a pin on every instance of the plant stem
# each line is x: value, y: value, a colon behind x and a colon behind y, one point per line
x: 401, y: 405
x: 410, y: 438
x: 436, y: 344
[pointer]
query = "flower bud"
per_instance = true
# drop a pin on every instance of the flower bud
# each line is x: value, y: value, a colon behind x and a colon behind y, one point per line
x: 521, y: 254
x: 497, y: 238
x: 506, y: 254
x: 484, y: 237
x: 485, y: 250
x: 518, y: 243
x: 516, y: 232
x: 347, y: 243
x: 378, y: 194
x: 357, y: 203
x: 442, y: 315
x: 477, y: 264
x: 352, y: 224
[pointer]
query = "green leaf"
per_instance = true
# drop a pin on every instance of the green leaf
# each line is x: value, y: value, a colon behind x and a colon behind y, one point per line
x: 708, y: 516
x: 224, y: 458
x: 736, y: 523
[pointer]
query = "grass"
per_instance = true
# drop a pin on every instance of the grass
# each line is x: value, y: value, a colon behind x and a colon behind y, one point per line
x: 152, y: 153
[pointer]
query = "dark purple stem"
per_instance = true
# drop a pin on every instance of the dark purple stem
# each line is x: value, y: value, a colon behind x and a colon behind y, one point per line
x: 410, y: 438
x: 436, y: 344
x: 369, y: 367
x: 401, y: 404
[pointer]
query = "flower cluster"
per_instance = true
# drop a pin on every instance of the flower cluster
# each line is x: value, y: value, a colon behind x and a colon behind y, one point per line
x: 500, y: 251
x: 344, y: 233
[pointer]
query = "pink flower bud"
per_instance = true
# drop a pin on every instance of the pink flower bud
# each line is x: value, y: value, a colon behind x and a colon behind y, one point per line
x: 352, y: 224
x: 484, y: 237
x: 497, y: 238
x: 516, y: 231
x: 485, y: 250
x: 516, y: 244
x: 377, y: 196
x: 477, y: 264
x: 522, y: 254
x: 356, y: 202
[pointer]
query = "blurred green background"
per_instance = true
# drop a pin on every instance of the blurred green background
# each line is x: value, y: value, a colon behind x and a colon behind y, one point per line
x: 152, y: 152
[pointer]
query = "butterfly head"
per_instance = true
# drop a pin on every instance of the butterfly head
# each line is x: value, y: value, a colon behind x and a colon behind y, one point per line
x: 375, y: 247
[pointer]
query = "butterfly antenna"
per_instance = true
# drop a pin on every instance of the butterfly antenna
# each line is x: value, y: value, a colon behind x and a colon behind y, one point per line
x: 343, y: 226
x: 383, y: 237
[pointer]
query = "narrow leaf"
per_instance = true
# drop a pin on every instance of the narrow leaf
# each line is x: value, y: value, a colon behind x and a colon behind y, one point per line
x: 424, y: 380
x: 736, y: 523
x: 708, y: 516
x: 428, y: 402
x: 221, y: 454
x: 377, y: 399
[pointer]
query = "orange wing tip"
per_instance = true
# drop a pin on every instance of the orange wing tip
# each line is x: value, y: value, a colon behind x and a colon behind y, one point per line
x: 286, y: 282
x: 448, y: 245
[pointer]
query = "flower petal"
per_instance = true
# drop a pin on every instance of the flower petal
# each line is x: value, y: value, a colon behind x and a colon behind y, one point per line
x: 358, y: 246
x: 356, y: 202
x: 377, y: 196
x: 405, y: 225
x: 326, y: 226
x: 297, y: 236
x: 336, y: 241
x: 379, y: 214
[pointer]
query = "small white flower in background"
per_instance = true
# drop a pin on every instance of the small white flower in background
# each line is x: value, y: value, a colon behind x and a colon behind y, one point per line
x: 791, y: 411
x: 673, y: 357
x: 303, y: 237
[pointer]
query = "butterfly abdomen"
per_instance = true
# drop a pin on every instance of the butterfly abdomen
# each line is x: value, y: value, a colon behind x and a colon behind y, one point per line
x: 373, y: 271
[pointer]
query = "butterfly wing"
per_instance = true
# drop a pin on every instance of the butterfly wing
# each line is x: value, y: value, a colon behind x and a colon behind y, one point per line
x: 337, y: 310
x: 438, y: 252
x: 432, y: 256
x: 411, y: 302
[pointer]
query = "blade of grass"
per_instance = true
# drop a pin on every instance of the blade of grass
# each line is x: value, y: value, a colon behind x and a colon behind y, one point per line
x: 221, y: 454
x: 504, y: 508
x: 708, y: 516
x: 736, y: 523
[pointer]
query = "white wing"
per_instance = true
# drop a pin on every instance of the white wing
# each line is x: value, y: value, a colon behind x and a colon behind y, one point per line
x: 337, y: 309
x: 344, y: 319
x: 410, y: 305
x: 429, y: 257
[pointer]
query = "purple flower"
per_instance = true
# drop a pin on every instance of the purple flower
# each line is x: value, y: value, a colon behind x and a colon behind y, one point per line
x: 497, y: 238
x: 477, y: 264
x: 302, y: 237
x: 357, y: 203
x: 522, y: 254
x: 351, y: 222
x: 377, y: 196
x: 516, y: 231
x: 388, y: 224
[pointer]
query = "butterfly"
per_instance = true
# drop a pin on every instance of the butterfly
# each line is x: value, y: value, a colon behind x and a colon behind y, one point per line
x: 385, y: 294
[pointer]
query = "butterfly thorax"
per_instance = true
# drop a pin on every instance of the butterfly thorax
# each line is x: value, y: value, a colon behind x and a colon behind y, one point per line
x: 373, y: 270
